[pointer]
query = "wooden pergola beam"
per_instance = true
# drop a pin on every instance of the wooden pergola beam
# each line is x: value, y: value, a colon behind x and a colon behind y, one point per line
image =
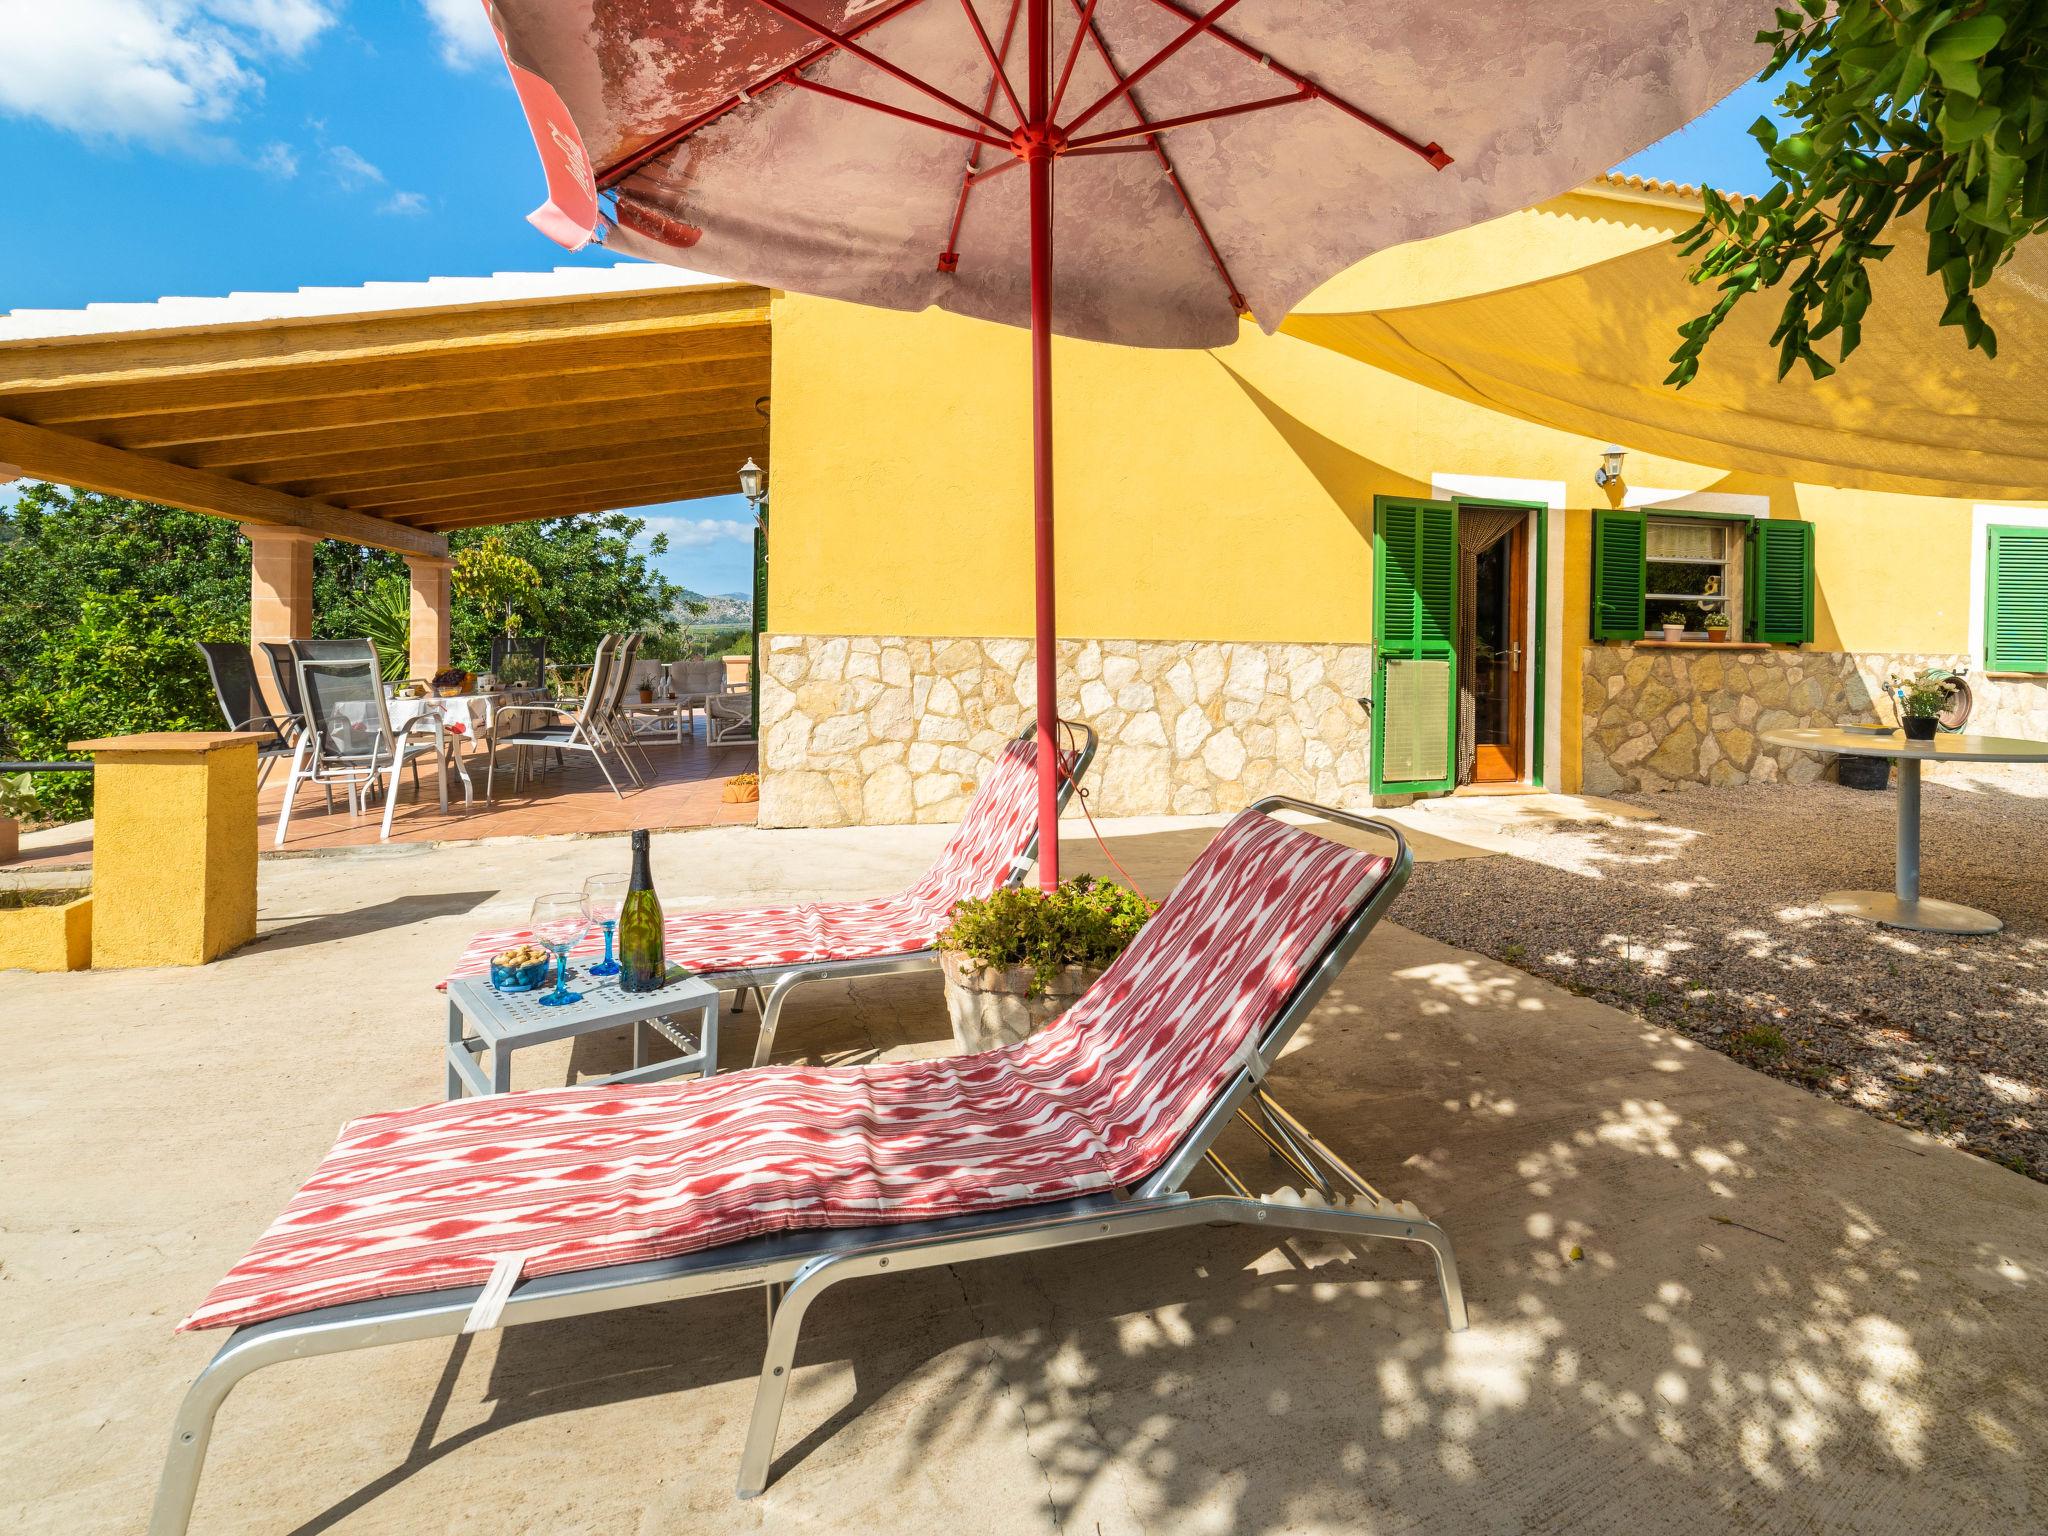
x: 594, y: 497
x: 372, y: 424
x: 357, y: 340
x: 582, y: 490
x: 452, y: 458
x: 262, y: 389
x: 74, y: 461
x: 695, y: 457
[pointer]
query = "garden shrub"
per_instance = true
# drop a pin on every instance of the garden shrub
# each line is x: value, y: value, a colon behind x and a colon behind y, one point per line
x: 1083, y: 921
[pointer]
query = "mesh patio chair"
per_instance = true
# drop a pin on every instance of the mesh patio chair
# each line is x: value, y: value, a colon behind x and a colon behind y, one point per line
x: 242, y: 705
x: 525, y: 727
x: 348, y: 727
x: 794, y: 1180
x: 770, y: 951
x: 533, y: 654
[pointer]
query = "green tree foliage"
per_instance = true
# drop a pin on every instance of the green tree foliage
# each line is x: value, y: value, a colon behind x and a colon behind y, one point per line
x: 495, y: 580
x: 1896, y: 107
x: 125, y: 663
x: 83, y: 574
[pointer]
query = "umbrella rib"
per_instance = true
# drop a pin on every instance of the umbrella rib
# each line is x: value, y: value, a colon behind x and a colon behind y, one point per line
x: 1149, y: 133
x: 895, y: 72
x: 995, y: 64
x: 619, y: 170
x: 1145, y: 129
x: 1431, y: 152
x: 1194, y: 30
x: 949, y: 258
x: 1081, y: 29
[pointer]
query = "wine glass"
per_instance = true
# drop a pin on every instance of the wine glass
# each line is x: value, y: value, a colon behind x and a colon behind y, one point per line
x: 558, y: 922
x: 603, y: 895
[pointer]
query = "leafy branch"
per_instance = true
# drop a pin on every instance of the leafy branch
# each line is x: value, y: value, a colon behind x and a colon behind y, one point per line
x: 1896, y: 106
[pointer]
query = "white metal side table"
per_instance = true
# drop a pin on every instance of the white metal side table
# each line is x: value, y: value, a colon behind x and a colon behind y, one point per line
x: 483, y: 1020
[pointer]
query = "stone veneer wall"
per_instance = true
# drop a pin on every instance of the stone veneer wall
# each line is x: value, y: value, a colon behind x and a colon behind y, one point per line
x: 1658, y: 719
x: 865, y: 730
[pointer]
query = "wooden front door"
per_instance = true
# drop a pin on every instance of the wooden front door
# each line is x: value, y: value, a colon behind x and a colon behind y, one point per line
x: 1500, y: 660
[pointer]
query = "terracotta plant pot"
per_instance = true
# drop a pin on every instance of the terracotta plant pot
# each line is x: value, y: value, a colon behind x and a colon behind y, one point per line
x: 10, y: 839
x: 646, y: 695
x: 989, y: 1007
x: 1718, y: 636
x: 740, y: 794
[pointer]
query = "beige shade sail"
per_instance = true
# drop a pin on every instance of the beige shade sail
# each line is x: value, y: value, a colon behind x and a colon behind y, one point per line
x: 1587, y: 351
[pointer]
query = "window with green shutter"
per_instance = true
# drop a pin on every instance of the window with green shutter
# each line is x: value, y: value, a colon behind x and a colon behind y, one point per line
x: 1415, y: 642
x: 2016, y: 601
x: 1618, y: 575
x: 1779, y: 581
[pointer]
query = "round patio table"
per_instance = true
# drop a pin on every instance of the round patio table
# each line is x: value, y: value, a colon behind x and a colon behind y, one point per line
x: 1903, y: 906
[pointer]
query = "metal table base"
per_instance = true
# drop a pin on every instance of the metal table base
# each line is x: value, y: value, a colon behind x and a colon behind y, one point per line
x: 1904, y: 906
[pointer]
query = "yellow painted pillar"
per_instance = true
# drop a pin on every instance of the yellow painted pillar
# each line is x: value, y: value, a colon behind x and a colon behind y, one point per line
x: 280, y: 592
x: 430, y: 633
x: 174, y: 846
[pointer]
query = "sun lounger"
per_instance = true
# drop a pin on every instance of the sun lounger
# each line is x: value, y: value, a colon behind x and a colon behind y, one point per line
x: 770, y: 951
x: 490, y: 1213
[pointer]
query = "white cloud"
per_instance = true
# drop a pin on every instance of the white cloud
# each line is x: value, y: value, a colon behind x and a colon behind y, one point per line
x: 464, y: 31
x: 279, y: 160
x: 351, y: 169
x: 406, y: 204
x: 697, y: 532
x: 286, y: 25
x: 159, y: 70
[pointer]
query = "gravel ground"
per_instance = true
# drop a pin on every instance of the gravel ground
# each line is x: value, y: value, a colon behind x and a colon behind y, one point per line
x: 1705, y: 921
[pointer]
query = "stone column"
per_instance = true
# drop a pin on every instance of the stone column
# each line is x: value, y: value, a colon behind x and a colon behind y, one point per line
x: 430, y: 630
x: 174, y: 846
x: 280, y: 591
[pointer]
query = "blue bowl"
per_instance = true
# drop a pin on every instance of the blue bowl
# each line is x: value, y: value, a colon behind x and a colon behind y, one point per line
x: 522, y: 978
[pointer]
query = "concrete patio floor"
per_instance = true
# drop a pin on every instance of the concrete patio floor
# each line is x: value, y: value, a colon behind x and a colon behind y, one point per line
x: 1702, y: 1300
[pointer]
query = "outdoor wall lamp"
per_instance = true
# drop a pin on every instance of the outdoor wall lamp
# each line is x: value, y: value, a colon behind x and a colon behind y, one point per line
x: 1610, y: 466
x: 753, y: 483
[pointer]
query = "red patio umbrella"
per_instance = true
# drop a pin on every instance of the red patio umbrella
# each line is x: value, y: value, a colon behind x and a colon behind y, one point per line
x: 1215, y: 163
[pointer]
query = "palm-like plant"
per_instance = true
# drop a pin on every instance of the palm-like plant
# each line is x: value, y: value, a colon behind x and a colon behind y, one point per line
x: 383, y: 613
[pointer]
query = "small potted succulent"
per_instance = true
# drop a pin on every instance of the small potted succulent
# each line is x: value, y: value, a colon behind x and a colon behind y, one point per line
x: 1015, y: 960
x: 1921, y: 699
x: 1717, y: 625
x: 1674, y: 626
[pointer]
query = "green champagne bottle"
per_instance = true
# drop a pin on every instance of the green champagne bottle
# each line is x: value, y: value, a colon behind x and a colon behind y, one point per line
x: 643, y: 963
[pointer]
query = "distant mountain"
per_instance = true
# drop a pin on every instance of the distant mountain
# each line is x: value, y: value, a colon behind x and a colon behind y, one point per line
x: 719, y: 608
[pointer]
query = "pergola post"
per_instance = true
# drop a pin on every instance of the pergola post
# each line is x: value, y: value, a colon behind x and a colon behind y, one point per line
x: 430, y: 623
x: 280, y: 590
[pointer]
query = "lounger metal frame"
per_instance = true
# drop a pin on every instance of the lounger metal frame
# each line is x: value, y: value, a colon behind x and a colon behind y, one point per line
x: 772, y: 984
x: 795, y: 1268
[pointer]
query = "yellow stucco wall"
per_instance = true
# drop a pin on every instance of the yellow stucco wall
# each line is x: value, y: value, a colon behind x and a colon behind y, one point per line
x: 47, y: 938
x: 1222, y: 495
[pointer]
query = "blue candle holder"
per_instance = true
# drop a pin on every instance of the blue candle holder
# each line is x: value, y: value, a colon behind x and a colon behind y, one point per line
x: 607, y: 966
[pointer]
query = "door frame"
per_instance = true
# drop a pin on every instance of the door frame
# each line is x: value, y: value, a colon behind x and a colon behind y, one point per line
x: 1538, y: 578
x: 1515, y: 752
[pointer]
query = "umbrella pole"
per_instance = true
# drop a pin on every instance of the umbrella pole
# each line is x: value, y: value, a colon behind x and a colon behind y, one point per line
x: 1038, y: 167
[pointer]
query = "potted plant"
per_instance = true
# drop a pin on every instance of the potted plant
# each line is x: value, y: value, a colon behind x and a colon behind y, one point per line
x: 742, y: 788
x: 14, y: 805
x: 1717, y: 625
x: 1015, y: 960
x: 1674, y: 626
x: 1921, y: 699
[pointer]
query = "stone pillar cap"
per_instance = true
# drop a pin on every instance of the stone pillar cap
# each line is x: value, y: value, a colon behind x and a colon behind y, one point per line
x: 169, y: 741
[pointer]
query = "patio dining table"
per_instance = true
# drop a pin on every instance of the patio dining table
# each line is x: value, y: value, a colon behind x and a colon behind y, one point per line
x: 1903, y: 906
x: 456, y: 718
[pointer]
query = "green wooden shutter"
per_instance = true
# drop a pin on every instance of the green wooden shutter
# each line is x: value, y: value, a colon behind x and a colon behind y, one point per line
x: 2016, y: 601
x: 1415, y: 661
x: 1618, y: 575
x: 1779, y: 597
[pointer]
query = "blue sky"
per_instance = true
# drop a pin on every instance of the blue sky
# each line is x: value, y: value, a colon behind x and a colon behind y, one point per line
x: 155, y: 147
